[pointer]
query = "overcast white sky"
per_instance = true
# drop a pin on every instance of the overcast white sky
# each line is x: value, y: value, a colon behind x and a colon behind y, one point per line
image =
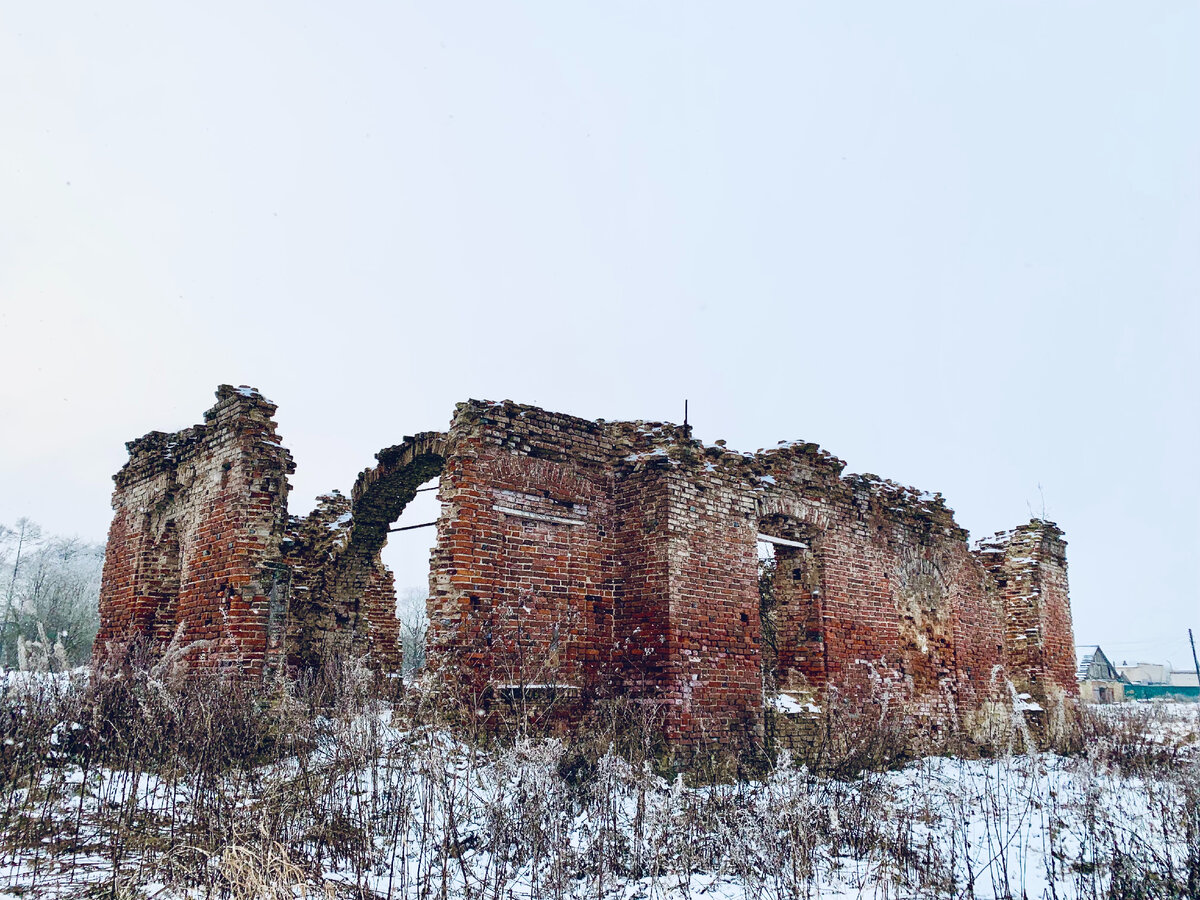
x: 955, y: 244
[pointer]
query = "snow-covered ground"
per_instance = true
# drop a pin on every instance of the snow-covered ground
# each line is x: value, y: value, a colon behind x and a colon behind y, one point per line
x: 378, y: 810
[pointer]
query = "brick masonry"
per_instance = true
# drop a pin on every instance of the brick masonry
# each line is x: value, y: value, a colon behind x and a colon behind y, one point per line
x: 583, y: 559
x: 195, y: 543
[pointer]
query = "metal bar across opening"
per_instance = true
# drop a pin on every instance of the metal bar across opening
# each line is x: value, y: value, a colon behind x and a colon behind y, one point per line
x: 783, y: 542
x: 411, y: 527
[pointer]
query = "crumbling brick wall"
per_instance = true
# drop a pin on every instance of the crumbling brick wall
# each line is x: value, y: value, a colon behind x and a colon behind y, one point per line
x: 194, y: 545
x: 1028, y: 567
x: 522, y: 582
x: 340, y: 603
x: 202, y: 552
x: 876, y: 592
x: 886, y: 589
x: 580, y: 559
x: 575, y: 555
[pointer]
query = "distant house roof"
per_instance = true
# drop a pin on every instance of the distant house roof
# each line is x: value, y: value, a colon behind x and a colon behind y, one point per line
x: 1094, y: 665
x: 1083, y: 660
x: 1157, y: 673
x: 1146, y: 673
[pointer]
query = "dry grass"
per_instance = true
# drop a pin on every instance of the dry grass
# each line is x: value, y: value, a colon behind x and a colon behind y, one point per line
x: 344, y: 786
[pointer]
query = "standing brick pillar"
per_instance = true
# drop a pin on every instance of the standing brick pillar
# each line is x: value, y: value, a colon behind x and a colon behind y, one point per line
x: 1028, y: 566
x: 193, y: 551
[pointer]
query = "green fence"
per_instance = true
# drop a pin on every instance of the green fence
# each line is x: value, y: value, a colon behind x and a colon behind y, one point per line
x: 1154, y: 691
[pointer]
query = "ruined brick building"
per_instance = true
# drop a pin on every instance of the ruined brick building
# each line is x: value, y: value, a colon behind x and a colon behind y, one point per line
x: 586, y: 559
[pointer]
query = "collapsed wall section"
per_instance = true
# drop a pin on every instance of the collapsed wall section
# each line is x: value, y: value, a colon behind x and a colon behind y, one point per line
x: 199, y: 516
x: 341, y: 604
x: 352, y: 604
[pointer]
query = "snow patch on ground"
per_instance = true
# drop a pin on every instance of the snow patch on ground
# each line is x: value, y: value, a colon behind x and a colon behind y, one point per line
x: 435, y: 815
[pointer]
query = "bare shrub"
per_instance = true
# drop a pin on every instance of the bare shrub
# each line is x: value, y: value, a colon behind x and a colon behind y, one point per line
x: 1134, y: 739
x: 859, y: 733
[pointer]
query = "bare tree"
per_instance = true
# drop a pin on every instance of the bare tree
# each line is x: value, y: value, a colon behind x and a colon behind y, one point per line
x: 15, y: 544
x: 51, y: 595
x: 414, y: 624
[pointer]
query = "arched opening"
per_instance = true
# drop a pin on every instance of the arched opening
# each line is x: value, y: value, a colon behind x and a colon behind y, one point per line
x: 380, y: 498
x: 407, y: 553
x: 381, y: 494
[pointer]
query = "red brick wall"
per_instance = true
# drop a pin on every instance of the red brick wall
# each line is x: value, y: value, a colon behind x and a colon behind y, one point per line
x: 640, y: 651
x: 590, y: 558
x: 715, y: 639
x: 885, y: 599
x: 198, y: 520
x: 1028, y: 568
x: 379, y: 620
x: 521, y: 583
x: 1058, y: 639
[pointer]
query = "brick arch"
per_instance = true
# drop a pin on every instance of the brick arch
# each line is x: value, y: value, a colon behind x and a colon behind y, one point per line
x: 381, y: 494
x: 351, y: 601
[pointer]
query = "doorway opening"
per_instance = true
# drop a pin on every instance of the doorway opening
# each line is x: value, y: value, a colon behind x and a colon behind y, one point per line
x: 408, y: 553
x: 789, y: 583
